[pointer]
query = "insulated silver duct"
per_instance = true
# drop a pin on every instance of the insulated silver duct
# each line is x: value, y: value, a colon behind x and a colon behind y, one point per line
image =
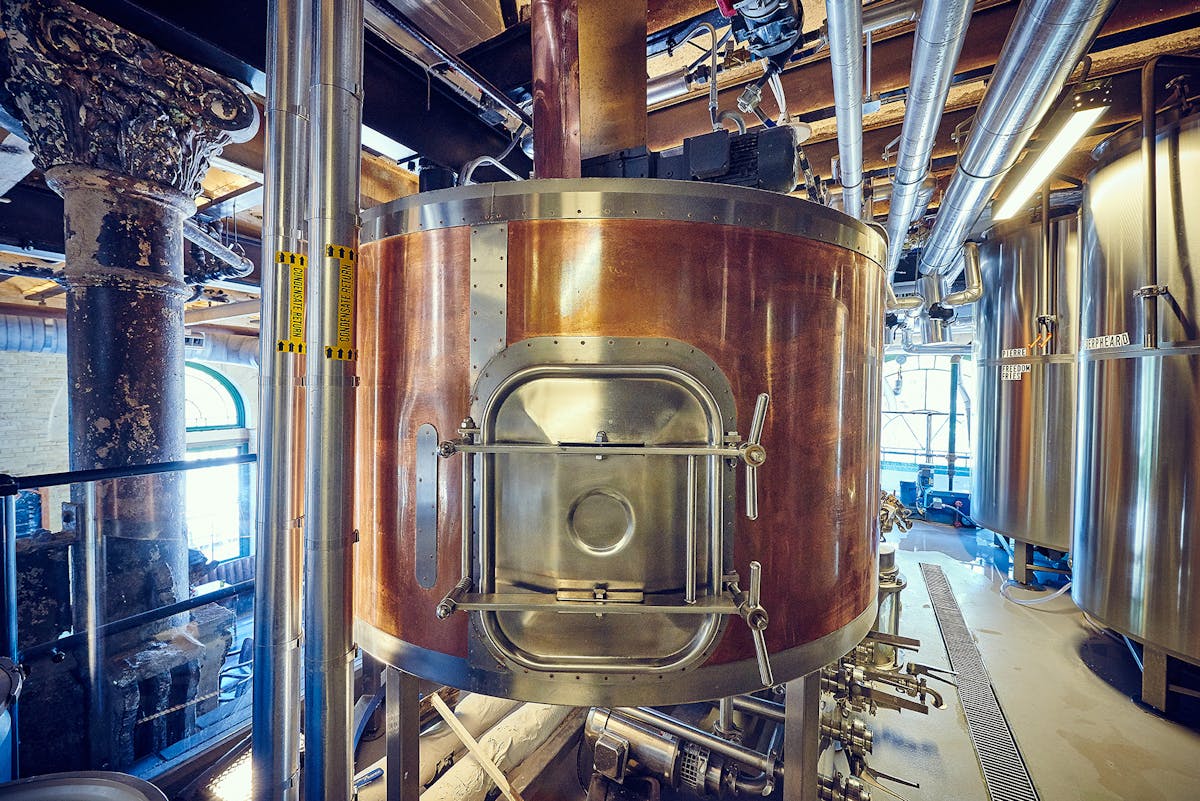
x: 335, y: 106
x: 20, y: 333
x: 844, y: 22
x: 936, y: 45
x: 1047, y: 39
x: 944, y: 348
x: 222, y: 348
x: 275, y: 750
x: 907, y: 303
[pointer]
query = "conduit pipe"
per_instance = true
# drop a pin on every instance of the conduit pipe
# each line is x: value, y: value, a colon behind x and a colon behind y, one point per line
x: 845, y: 26
x: 459, y: 65
x: 275, y: 744
x: 937, y: 43
x: 236, y: 265
x: 335, y: 107
x: 1046, y: 41
x: 875, y: 17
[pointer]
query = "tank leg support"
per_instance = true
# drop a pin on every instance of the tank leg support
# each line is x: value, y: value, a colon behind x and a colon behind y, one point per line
x: 1155, y: 664
x: 1022, y: 562
x: 802, y: 738
x: 403, y: 702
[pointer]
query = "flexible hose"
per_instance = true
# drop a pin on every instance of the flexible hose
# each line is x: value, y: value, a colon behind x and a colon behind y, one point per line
x: 1004, y: 591
x: 776, y: 84
x: 712, y: 74
x: 733, y: 117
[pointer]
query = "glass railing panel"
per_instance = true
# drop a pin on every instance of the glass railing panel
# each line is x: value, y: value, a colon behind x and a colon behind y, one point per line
x: 134, y: 614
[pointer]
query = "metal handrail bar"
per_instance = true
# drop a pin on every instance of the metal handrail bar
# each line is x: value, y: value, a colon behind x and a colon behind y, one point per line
x: 11, y: 485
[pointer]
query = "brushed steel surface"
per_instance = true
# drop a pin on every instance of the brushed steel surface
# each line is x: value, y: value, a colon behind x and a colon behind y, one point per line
x: 489, y: 273
x: 550, y: 522
x: 425, y: 558
x: 327, y: 606
x: 617, y: 199
x: 708, y: 681
x: 794, y: 312
x: 1136, y: 556
x: 1023, y: 473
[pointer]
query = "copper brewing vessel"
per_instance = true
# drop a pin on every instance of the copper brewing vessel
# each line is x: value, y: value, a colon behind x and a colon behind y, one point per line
x: 636, y: 314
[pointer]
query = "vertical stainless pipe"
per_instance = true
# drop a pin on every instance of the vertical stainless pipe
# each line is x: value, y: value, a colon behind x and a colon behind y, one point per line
x: 846, y: 59
x: 336, y: 113
x: 937, y: 44
x: 276, y: 733
x: 1046, y: 41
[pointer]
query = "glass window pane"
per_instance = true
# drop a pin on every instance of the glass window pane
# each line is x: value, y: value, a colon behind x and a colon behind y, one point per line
x: 210, y: 400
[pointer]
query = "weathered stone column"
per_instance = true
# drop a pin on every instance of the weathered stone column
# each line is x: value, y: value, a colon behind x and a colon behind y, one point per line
x: 124, y: 132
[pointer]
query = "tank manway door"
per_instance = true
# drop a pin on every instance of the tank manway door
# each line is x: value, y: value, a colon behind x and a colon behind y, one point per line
x: 602, y: 513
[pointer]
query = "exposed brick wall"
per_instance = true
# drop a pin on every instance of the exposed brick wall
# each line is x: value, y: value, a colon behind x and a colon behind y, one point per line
x: 33, y: 413
x: 33, y: 410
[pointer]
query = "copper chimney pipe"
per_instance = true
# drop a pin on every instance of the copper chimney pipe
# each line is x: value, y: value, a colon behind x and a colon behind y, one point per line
x: 554, y: 30
x: 589, y: 82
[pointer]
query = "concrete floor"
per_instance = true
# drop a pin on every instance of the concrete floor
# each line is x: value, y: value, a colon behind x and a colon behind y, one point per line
x: 1064, y: 688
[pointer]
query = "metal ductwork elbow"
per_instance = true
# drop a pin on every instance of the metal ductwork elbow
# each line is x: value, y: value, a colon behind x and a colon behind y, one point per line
x: 1047, y: 39
x: 973, y: 291
x: 936, y: 46
x: 909, y: 303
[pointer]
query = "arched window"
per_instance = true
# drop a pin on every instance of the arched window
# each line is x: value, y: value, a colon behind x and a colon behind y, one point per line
x: 212, y: 401
x: 219, y: 499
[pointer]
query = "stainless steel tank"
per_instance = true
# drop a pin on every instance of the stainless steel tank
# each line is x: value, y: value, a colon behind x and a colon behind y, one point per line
x: 1027, y: 337
x: 1137, y: 531
x: 587, y: 360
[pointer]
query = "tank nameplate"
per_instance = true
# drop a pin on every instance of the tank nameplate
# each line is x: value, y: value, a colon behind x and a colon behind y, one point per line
x: 489, y: 298
x: 425, y: 558
x: 1108, y: 341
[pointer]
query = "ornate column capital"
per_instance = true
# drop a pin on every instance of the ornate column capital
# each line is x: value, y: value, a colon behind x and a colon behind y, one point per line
x: 92, y: 94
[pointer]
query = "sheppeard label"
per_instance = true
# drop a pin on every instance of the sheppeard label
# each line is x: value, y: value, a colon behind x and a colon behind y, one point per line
x: 1107, y: 341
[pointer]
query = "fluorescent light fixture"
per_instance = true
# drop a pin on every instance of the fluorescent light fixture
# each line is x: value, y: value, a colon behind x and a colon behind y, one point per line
x: 1066, y: 127
x: 385, y: 146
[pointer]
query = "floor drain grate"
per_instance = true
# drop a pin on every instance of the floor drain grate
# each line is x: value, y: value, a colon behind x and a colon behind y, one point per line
x: 1004, y: 771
